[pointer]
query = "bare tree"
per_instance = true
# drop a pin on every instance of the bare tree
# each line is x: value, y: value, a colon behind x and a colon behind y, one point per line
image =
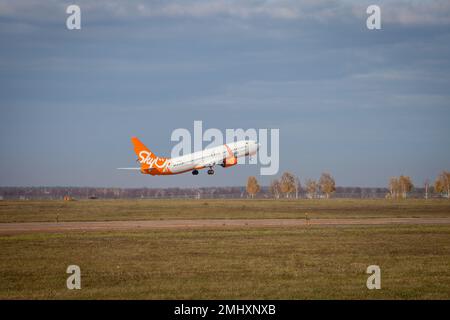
x: 427, y: 186
x: 275, y: 188
x: 297, y: 186
x: 327, y: 184
x: 442, y: 183
x: 252, y: 186
x: 287, y: 183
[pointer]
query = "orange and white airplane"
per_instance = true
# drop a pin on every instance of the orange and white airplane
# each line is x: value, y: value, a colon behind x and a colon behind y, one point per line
x: 225, y: 155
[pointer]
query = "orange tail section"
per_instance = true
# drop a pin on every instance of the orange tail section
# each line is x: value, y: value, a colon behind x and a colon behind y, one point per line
x: 150, y: 163
x: 145, y: 156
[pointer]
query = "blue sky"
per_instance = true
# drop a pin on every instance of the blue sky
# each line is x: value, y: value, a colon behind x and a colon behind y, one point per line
x: 362, y: 105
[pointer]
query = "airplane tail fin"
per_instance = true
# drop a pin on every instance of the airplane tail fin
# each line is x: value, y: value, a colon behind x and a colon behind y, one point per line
x: 150, y: 163
x: 145, y: 156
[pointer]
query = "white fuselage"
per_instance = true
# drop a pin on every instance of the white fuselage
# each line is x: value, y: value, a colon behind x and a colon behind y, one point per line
x: 213, y: 156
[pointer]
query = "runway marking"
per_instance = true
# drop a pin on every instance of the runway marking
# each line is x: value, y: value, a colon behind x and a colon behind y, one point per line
x: 36, y: 227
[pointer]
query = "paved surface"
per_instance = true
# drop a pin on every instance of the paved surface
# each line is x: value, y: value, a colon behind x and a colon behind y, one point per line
x: 34, y: 227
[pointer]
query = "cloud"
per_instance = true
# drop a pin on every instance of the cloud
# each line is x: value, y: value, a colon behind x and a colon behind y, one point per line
x: 409, y: 12
x: 403, y: 12
x: 239, y: 9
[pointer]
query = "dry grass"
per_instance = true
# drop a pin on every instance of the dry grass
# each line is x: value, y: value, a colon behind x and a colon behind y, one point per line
x: 101, y: 210
x: 254, y: 263
x: 290, y: 263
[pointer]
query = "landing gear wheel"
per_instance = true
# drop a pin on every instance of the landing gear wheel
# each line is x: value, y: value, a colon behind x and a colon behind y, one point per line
x: 210, y: 171
x: 195, y: 172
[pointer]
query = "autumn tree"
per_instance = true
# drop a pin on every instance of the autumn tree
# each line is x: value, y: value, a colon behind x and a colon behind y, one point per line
x: 327, y: 184
x: 287, y: 183
x: 405, y: 185
x: 275, y: 188
x: 394, y: 187
x: 252, y: 186
x: 400, y: 186
x: 311, y: 188
x: 442, y: 183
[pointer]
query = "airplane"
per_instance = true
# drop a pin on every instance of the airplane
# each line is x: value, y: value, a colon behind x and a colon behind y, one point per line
x: 225, y: 155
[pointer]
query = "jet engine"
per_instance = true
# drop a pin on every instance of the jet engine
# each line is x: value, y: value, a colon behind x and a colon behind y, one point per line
x: 229, y: 162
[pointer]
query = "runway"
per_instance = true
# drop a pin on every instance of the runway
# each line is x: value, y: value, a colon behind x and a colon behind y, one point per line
x: 82, y: 226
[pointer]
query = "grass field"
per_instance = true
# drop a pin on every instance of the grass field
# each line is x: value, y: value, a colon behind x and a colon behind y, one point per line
x: 312, y: 262
x: 104, y: 210
x: 307, y: 263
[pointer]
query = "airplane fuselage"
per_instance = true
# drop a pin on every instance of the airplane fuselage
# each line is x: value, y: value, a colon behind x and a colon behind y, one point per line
x: 225, y: 155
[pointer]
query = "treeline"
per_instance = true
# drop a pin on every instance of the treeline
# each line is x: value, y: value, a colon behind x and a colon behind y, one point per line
x: 289, y: 186
x: 78, y: 193
x: 54, y: 193
x: 401, y: 187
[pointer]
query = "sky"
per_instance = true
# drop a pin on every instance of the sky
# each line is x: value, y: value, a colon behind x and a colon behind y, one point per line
x: 361, y: 104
